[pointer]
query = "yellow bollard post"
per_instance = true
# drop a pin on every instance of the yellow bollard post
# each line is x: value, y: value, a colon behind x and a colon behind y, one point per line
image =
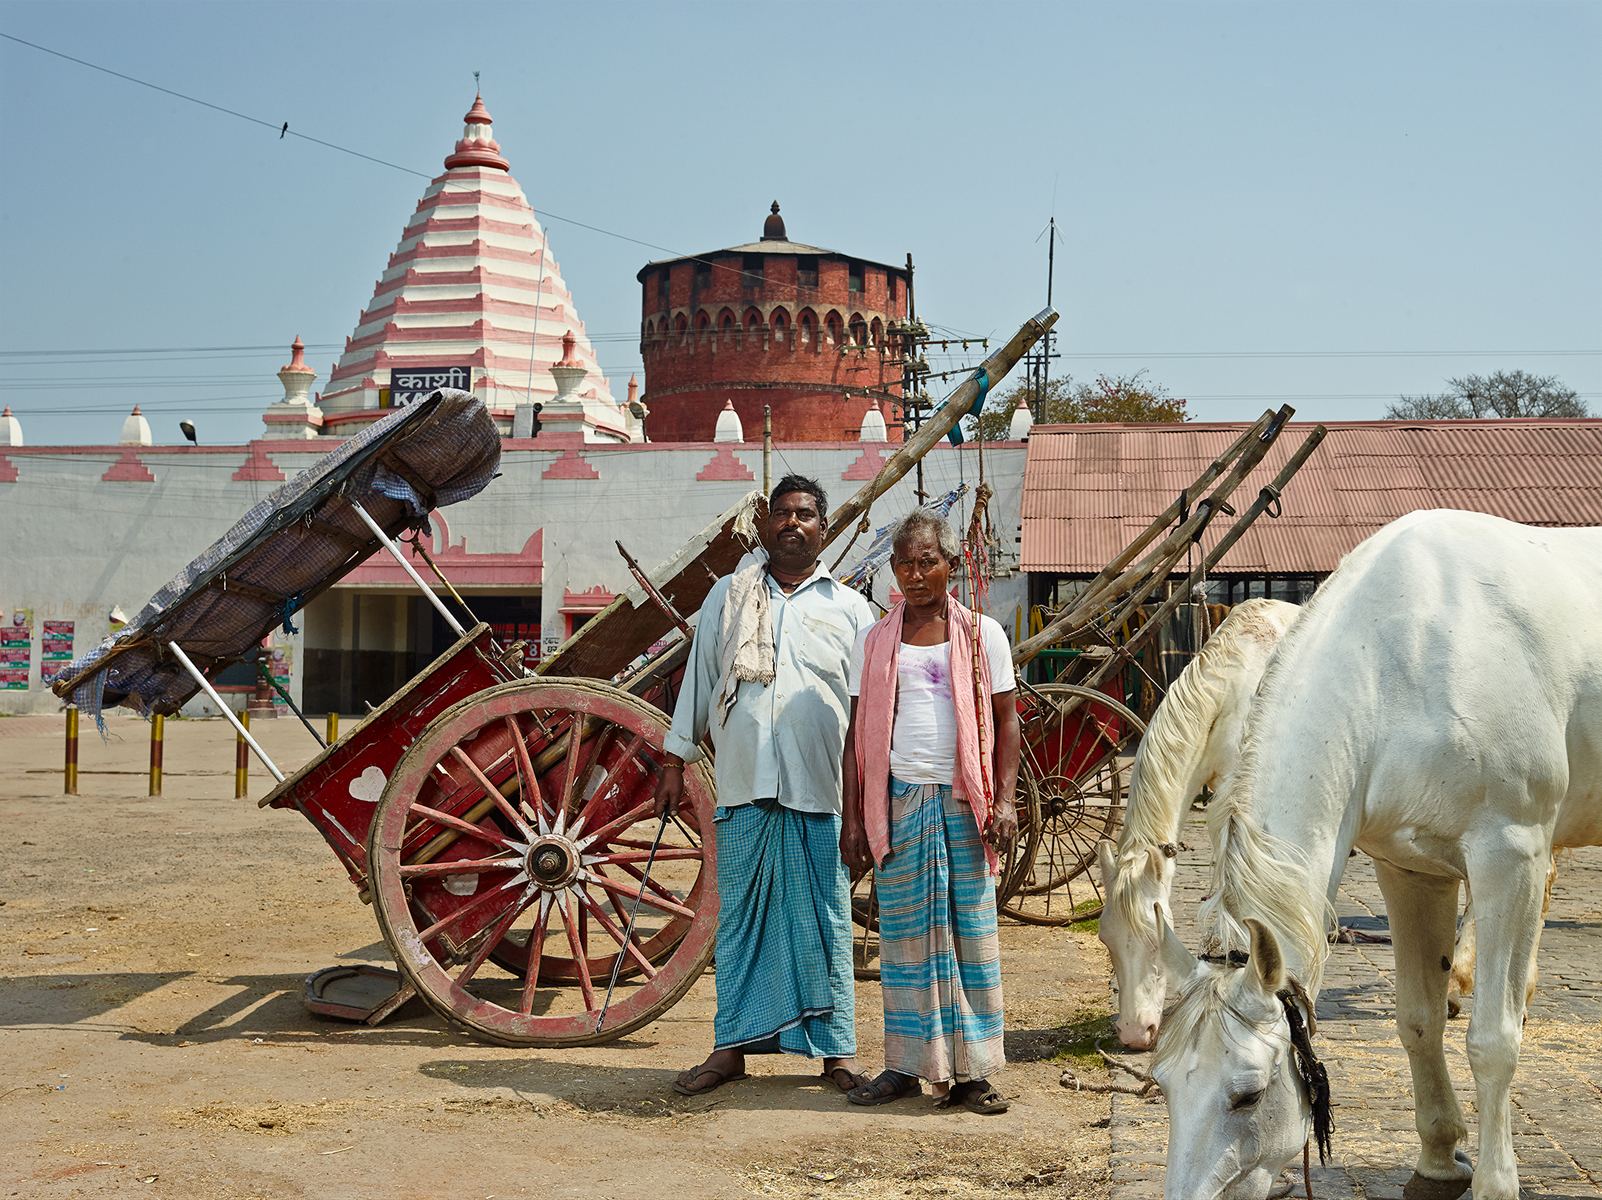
x: 333, y: 729
x: 157, y: 730
x: 70, y: 769
x: 242, y: 760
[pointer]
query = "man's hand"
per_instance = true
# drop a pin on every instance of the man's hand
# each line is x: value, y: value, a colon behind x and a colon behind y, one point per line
x: 854, y: 850
x: 670, y: 786
x: 1002, y: 829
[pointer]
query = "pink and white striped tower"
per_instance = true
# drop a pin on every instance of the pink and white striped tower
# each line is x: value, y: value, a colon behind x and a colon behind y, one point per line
x: 472, y: 286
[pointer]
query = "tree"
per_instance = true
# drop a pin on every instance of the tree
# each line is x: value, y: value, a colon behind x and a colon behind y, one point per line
x: 1500, y: 394
x: 1110, y: 398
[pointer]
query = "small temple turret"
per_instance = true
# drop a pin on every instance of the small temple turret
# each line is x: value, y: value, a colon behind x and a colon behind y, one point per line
x: 295, y: 416
x: 729, y: 428
x: 873, y: 427
x: 10, y: 429
x: 135, y: 430
x: 1022, y: 421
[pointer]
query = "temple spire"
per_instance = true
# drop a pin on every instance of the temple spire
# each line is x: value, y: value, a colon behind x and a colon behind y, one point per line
x: 476, y: 147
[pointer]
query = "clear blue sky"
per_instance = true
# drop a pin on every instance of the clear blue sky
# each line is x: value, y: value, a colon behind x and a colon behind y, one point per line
x: 1326, y: 204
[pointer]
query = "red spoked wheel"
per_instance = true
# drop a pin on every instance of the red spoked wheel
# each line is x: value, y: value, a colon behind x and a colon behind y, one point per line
x: 509, y: 852
x: 1075, y: 743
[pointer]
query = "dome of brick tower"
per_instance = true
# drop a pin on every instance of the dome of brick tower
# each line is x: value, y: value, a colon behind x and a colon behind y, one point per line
x: 809, y: 332
x: 471, y: 299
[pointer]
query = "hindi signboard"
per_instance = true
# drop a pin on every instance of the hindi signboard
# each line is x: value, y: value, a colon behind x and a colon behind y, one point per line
x: 419, y: 383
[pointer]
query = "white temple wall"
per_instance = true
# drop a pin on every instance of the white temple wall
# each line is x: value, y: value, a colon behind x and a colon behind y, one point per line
x: 74, y: 544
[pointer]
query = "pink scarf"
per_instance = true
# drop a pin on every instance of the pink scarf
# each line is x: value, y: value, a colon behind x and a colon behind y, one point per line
x: 876, y: 706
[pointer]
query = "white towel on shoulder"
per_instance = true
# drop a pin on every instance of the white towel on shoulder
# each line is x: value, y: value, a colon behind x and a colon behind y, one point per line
x: 747, y: 633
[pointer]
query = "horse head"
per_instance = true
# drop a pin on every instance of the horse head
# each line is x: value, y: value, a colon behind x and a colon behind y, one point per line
x: 1236, y: 1066
x: 1136, y: 889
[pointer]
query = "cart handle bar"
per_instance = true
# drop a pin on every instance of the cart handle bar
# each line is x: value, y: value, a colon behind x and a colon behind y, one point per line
x: 179, y: 654
x: 395, y: 550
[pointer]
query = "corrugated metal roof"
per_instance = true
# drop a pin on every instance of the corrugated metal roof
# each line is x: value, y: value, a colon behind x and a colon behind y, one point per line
x: 1090, y: 489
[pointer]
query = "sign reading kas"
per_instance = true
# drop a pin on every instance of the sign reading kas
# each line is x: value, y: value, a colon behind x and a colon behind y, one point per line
x: 419, y: 383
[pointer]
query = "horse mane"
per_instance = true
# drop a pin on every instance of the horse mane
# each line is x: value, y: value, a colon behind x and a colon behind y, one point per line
x: 1173, y: 744
x: 1254, y: 874
x: 1206, y: 994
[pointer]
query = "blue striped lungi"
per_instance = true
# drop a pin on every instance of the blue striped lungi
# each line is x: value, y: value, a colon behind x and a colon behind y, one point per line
x: 939, y: 952
x: 784, y: 934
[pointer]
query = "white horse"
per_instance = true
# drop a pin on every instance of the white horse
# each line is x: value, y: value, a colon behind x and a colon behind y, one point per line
x: 1191, y: 743
x: 1438, y: 705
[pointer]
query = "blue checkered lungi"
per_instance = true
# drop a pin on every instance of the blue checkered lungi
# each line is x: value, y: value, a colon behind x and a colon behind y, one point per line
x: 939, y: 952
x: 784, y: 934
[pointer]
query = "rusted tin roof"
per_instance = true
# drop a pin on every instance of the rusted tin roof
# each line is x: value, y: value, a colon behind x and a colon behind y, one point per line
x: 1090, y: 489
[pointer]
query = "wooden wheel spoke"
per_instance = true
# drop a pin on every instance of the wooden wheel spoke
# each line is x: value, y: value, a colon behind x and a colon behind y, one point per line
x: 472, y: 906
x: 575, y: 743
x: 494, y: 793
x: 663, y: 854
x: 628, y: 889
x: 619, y: 824
x: 528, y: 781
x: 492, y: 937
x: 598, y: 797
x: 464, y: 866
x: 581, y: 962
x: 461, y: 826
x: 536, y: 947
x: 616, y: 933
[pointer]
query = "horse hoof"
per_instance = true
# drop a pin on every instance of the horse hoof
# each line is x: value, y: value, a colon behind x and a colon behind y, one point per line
x: 1421, y: 1188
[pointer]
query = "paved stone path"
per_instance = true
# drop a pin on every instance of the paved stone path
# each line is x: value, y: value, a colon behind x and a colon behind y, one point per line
x: 1557, y: 1092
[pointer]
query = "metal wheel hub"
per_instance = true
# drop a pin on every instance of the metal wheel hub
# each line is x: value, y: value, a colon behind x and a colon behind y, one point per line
x: 553, y: 862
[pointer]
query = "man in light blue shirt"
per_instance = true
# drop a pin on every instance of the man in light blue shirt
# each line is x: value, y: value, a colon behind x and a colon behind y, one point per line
x: 767, y: 681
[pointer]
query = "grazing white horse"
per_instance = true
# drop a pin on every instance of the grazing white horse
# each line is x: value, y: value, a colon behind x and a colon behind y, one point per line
x: 1191, y: 743
x: 1438, y: 705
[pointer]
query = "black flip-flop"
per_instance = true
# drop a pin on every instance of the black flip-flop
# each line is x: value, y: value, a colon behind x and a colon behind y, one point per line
x: 681, y: 1084
x: 854, y: 1080
x: 976, y: 1096
x: 891, y: 1085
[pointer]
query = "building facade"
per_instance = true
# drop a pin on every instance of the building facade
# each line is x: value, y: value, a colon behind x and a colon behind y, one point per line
x: 813, y: 334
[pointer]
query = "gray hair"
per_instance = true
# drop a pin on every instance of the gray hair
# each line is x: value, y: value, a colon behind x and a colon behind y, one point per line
x: 919, y: 519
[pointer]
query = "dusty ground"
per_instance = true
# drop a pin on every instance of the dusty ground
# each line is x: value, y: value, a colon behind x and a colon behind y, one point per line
x: 153, y: 953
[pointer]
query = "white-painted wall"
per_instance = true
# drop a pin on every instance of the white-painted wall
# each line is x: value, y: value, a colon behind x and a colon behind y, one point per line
x: 73, y: 545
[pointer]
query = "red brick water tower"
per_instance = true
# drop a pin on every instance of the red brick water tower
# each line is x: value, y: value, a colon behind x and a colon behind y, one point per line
x: 810, y: 332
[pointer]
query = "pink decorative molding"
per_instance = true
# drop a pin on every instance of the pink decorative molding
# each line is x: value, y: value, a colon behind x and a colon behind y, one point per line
x: 526, y: 568
x: 868, y: 463
x: 258, y: 466
x: 590, y: 600
x: 572, y: 465
x: 8, y: 470
x: 724, y: 466
x: 128, y: 469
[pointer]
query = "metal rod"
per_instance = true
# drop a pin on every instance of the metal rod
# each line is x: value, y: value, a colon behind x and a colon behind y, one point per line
x: 333, y: 729
x: 278, y: 687
x: 227, y: 712
x: 767, y: 449
x: 645, y: 878
x: 70, y: 766
x: 389, y: 545
x: 158, y: 725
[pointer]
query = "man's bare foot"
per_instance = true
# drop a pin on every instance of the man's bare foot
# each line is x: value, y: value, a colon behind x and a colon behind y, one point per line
x: 842, y: 1072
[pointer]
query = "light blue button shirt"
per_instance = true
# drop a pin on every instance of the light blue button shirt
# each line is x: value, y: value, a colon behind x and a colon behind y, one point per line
x: 783, y: 741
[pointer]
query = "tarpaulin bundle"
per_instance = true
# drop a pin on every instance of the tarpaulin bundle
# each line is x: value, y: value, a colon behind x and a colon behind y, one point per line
x: 294, y: 544
x: 878, y: 553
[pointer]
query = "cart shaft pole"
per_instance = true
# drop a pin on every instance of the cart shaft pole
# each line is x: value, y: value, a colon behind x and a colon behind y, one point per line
x: 228, y: 713
x: 395, y: 550
x: 157, y: 731
x: 70, y: 766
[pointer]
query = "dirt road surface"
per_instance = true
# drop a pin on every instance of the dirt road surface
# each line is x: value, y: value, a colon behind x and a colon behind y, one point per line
x: 153, y: 955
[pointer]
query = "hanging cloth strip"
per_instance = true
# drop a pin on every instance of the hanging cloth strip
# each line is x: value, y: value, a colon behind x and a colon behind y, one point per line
x: 983, y: 377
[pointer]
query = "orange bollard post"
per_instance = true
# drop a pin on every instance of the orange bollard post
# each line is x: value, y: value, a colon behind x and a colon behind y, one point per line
x: 157, y: 724
x: 242, y: 760
x: 70, y: 769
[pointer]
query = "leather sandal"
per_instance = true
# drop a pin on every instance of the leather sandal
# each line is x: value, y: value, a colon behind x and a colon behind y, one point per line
x: 854, y: 1080
x: 977, y: 1096
x: 891, y: 1085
